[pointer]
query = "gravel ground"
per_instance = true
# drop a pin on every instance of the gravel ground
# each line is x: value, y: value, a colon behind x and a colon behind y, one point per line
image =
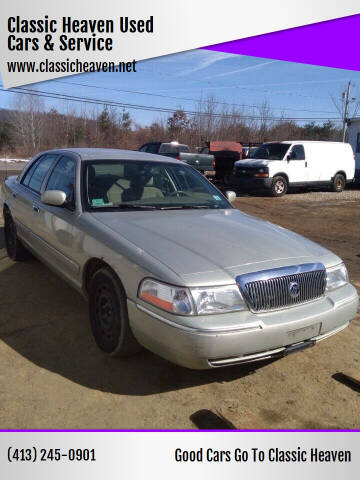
x: 53, y: 376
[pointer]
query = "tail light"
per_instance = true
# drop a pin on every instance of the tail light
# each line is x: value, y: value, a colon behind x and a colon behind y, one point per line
x: 214, y: 164
x: 178, y: 157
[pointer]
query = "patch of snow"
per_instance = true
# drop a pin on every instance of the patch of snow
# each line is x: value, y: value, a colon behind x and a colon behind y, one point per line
x: 14, y: 160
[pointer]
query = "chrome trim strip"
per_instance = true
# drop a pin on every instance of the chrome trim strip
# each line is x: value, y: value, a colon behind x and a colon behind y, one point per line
x: 194, y: 329
x: 247, y: 358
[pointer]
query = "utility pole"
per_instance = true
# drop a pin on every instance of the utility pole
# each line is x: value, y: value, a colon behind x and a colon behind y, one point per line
x: 346, y: 95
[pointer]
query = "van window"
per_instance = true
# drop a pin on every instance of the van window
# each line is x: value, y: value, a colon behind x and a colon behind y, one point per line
x: 297, y: 153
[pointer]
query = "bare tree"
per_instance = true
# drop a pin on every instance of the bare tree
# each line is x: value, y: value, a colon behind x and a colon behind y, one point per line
x: 264, y: 111
x: 27, y: 122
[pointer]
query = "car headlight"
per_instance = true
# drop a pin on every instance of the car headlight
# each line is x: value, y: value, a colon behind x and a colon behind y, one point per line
x: 336, y: 277
x: 167, y: 297
x: 192, y: 301
x: 218, y: 299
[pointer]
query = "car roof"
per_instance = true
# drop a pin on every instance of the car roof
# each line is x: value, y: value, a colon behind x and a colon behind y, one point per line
x: 112, y: 154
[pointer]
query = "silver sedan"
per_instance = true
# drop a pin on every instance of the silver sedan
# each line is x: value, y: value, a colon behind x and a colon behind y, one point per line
x: 167, y: 263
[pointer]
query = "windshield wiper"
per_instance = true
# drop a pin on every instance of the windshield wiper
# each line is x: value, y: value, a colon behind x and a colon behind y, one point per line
x: 184, y: 207
x: 133, y: 206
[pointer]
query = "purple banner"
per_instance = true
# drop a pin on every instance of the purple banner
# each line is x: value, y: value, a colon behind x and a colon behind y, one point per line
x: 334, y: 43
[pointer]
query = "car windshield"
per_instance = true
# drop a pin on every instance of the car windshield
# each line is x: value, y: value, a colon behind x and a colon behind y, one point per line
x: 132, y: 184
x: 270, y: 151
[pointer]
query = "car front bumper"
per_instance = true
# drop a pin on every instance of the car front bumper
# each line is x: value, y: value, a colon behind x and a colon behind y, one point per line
x: 251, y: 183
x: 222, y: 340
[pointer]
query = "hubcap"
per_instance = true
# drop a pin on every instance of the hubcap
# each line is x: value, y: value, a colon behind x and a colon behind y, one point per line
x: 279, y: 186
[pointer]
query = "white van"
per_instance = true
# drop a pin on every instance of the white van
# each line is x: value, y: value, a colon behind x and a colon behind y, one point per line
x: 277, y: 165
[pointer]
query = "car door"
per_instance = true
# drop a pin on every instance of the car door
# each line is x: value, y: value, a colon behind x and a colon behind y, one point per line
x: 26, y: 197
x: 56, y: 226
x: 297, y: 165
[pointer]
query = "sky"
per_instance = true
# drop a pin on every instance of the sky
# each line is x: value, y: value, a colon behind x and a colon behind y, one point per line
x: 180, y: 80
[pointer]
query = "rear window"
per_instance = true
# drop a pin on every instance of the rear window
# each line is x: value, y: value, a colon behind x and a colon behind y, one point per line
x: 173, y: 148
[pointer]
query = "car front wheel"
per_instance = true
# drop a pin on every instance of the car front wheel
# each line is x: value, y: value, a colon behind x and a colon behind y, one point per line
x: 279, y: 186
x: 109, y: 316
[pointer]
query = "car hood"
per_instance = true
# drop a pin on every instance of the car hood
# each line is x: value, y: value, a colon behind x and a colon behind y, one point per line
x: 212, y: 246
x: 253, y: 163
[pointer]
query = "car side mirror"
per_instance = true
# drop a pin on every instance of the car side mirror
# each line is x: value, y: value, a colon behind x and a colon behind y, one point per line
x: 231, y: 196
x: 288, y: 157
x: 56, y: 198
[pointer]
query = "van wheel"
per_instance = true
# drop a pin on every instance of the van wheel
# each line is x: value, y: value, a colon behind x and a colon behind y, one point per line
x: 279, y: 186
x: 338, y: 183
x: 109, y: 316
x: 14, y: 247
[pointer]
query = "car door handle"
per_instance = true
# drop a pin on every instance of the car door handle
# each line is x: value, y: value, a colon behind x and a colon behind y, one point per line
x: 36, y: 209
x: 305, y: 164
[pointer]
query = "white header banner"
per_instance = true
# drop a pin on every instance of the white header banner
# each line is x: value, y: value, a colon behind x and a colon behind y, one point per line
x: 179, y: 455
x: 41, y: 40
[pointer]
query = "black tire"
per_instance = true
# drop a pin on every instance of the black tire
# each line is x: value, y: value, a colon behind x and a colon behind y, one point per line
x: 109, y: 316
x: 279, y: 186
x: 14, y: 247
x: 227, y: 178
x: 339, y: 183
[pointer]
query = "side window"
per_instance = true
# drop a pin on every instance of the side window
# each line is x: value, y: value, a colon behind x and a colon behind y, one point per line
x: 297, y: 153
x: 152, y: 148
x: 63, y: 178
x: 34, y: 177
x: 143, y: 148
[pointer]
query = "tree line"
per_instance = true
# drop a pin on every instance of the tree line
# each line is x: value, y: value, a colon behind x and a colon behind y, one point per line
x: 28, y: 127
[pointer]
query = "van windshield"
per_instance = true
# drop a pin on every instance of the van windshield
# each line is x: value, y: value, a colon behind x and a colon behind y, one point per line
x: 270, y: 151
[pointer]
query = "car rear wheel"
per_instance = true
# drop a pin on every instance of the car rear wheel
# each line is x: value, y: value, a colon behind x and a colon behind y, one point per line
x: 338, y: 183
x: 14, y: 247
x: 109, y: 315
x: 279, y: 186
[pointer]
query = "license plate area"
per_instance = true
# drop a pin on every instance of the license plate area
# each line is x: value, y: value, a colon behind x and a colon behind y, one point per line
x: 304, y: 333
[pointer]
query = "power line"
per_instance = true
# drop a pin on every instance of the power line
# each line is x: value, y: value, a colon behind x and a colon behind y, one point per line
x: 54, y: 95
x: 254, y: 88
x: 187, y: 99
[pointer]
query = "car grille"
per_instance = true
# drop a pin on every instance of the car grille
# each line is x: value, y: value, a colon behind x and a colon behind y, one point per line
x: 246, y: 172
x: 285, y: 287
